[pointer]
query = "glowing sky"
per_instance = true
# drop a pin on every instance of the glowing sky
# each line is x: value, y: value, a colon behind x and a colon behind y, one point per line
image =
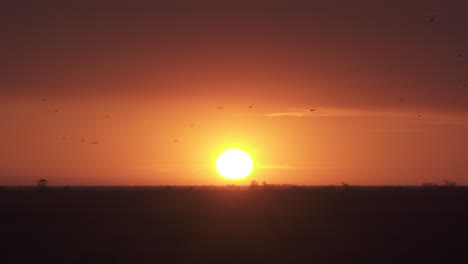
x: 158, y: 71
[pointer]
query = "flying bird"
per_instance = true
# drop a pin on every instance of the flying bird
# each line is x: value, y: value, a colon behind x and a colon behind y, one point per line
x: 56, y: 110
x: 83, y: 140
x: 250, y: 106
x: 192, y: 125
x: 175, y: 141
x: 220, y: 107
x: 402, y: 99
x: 64, y: 138
x: 419, y: 116
x: 313, y: 109
x: 94, y: 142
x: 107, y: 116
x: 432, y: 20
x: 44, y: 99
x: 460, y: 55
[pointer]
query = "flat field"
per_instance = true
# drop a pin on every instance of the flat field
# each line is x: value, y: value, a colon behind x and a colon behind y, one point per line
x: 230, y: 225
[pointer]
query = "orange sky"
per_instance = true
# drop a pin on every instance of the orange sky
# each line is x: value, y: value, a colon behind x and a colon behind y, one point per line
x: 155, y: 70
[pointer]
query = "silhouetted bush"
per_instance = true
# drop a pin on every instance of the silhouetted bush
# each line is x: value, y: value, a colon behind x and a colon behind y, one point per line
x: 42, y: 183
x: 298, y: 188
x: 429, y: 185
x: 253, y: 185
x: 232, y: 187
x: 448, y: 183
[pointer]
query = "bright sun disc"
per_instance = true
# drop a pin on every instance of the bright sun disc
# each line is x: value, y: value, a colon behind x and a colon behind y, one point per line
x: 234, y: 164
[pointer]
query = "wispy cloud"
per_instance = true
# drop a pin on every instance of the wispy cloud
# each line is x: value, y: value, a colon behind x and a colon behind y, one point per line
x: 404, y: 131
x: 295, y: 167
x: 172, y: 167
x: 429, y: 118
x: 333, y: 112
x: 293, y: 114
x: 161, y: 167
x: 323, y: 112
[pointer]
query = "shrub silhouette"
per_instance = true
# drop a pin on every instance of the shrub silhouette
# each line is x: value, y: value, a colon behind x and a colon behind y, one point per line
x: 429, y: 185
x: 42, y: 183
x: 296, y: 188
x: 448, y: 183
x: 345, y: 185
x: 253, y: 185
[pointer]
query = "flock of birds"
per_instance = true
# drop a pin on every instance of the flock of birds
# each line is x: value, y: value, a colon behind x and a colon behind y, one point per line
x: 91, y: 142
x: 83, y: 140
x: 431, y: 20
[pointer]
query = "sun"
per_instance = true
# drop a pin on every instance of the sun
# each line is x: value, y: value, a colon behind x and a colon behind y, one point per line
x: 234, y: 164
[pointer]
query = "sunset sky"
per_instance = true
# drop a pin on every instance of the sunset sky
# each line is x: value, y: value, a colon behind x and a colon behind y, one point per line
x: 136, y: 77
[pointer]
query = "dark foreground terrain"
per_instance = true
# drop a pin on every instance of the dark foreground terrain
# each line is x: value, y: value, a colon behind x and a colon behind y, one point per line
x: 222, y: 225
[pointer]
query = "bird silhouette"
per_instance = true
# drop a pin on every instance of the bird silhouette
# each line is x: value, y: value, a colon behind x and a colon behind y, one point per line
x: 44, y: 99
x: 402, y: 99
x: 432, y: 20
x: 94, y: 142
x: 56, y: 110
x: 250, y: 106
x: 460, y: 55
x: 83, y: 140
x: 107, y: 116
x: 313, y: 109
x: 220, y: 107
x: 175, y: 141
x: 192, y: 125
x: 465, y: 85
x: 419, y: 116
x: 64, y: 138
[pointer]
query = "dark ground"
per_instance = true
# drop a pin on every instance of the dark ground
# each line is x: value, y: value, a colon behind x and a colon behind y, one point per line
x: 221, y: 225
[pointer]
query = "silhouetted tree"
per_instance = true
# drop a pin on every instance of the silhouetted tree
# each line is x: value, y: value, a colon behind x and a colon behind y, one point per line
x: 448, y: 183
x: 429, y: 184
x: 42, y: 183
x: 253, y: 185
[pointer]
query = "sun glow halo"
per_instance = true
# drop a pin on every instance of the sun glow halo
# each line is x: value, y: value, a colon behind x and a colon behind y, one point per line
x: 234, y: 164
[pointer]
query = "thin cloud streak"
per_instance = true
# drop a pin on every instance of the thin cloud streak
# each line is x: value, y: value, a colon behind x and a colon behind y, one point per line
x: 165, y: 167
x: 293, y: 114
x: 442, y: 119
x: 294, y: 167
